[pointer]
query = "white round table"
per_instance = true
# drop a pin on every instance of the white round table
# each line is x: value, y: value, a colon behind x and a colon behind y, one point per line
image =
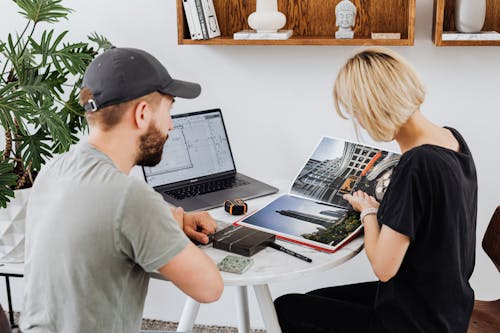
x: 269, y: 266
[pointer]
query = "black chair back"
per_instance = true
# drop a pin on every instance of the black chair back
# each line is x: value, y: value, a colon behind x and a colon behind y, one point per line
x: 491, y: 240
x: 4, y: 322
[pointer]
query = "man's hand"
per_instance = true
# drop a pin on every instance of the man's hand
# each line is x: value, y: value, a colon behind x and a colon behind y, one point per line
x: 178, y: 214
x: 197, y: 225
x: 359, y: 200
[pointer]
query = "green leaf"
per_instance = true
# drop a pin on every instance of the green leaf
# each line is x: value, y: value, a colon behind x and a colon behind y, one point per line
x: 102, y: 42
x: 54, y: 80
x: 8, y: 179
x: 12, y: 54
x: 50, y: 122
x: 50, y: 11
x: 14, y: 105
x: 34, y: 149
x: 73, y: 115
x: 71, y: 57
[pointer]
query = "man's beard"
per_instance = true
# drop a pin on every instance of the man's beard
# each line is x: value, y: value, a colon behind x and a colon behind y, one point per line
x: 151, y: 147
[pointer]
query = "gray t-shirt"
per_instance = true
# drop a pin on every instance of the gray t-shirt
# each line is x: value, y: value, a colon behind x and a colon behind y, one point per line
x: 92, y: 236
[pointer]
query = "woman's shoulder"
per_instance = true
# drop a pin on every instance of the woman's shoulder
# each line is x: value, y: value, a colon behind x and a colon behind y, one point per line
x: 423, y: 164
x: 418, y: 156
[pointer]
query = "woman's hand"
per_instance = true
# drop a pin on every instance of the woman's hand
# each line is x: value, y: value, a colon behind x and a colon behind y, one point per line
x: 360, y: 200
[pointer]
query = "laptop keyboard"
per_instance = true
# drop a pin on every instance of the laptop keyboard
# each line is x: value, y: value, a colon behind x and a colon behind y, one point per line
x: 198, y: 189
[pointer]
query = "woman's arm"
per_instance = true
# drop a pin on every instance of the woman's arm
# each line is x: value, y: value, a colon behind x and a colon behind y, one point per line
x: 385, y: 248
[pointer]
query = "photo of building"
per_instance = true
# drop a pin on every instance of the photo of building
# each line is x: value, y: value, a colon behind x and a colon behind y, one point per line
x: 305, y: 221
x: 338, y: 167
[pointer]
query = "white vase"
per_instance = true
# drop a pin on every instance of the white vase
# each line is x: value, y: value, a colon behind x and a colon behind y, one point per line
x: 267, y: 18
x: 470, y: 15
x: 12, y: 223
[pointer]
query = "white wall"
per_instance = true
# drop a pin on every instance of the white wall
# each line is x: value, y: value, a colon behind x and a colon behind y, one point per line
x: 279, y: 100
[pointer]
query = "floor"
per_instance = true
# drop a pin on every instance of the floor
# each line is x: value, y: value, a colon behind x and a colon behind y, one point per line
x: 150, y: 324
x: 161, y: 325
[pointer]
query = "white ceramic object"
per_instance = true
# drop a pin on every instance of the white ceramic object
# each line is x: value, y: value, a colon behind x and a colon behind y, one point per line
x: 267, y: 18
x: 12, y: 225
x: 345, y: 19
x: 470, y: 15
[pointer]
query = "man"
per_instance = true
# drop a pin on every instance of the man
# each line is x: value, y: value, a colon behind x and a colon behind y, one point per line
x: 93, y: 233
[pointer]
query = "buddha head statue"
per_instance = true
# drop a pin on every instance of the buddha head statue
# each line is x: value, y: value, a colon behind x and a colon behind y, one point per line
x: 345, y: 14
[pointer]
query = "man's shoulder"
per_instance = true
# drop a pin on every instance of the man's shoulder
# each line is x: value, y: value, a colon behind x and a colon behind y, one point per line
x: 138, y: 191
x: 83, y: 166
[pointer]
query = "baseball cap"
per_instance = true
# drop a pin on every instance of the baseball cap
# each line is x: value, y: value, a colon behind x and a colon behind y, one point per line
x: 122, y: 74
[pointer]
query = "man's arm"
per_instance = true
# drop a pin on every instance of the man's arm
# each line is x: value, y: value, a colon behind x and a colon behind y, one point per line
x: 192, y: 271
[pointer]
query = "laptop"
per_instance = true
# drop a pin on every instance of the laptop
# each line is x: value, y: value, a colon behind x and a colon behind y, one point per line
x: 197, y: 169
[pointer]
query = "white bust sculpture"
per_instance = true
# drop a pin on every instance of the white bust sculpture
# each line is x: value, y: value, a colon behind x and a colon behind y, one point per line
x: 345, y: 17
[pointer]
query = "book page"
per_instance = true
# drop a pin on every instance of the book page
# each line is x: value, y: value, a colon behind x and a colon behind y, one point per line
x: 307, y: 222
x: 337, y: 167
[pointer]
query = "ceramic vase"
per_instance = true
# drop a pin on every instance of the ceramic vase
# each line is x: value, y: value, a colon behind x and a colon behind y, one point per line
x: 12, y: 226
x: 267, y: 18
x: 469, y: 15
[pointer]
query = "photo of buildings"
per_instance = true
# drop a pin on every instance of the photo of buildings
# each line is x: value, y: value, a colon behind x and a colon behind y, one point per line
x: 338, y: 167
x: 305, y: 221
x: 314, y: 212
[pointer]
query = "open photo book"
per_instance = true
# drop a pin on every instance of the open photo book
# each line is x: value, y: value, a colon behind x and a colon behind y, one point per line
x: 314, y: 213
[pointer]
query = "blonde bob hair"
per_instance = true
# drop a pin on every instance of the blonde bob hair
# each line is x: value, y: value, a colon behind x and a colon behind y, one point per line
x: 380, y: 90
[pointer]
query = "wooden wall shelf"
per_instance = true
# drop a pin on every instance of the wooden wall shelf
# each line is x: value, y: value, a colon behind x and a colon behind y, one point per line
x: 444, y: 20
x: 312, y: 22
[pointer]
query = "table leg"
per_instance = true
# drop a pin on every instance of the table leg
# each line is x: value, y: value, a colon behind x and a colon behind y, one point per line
x: 9, y: 300
x: 188, y: 316
x: 267, y: 309
x: 242, y: 308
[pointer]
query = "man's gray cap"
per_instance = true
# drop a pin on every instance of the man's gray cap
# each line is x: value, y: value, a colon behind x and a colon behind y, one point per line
x: 122, y: 74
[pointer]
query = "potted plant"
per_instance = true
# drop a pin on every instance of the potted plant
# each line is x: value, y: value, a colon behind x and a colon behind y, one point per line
x: 39, y: 111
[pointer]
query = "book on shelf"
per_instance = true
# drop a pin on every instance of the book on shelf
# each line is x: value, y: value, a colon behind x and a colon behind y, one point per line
x: 201, y: 19
x: 483, y: 35
x: 211, y: 22
x: 192, y: 19
x: 254, y: 35
x: 386, y: 35
x: 314, y: 213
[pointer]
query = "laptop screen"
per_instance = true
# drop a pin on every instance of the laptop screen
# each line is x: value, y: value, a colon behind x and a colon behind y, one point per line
x: 196, y: 147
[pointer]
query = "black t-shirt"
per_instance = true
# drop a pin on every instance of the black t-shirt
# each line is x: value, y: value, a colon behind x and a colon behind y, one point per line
x: 432, y: 199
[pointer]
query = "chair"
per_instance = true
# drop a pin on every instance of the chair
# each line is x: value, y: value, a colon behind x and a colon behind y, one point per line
x: 4, y: 322
x: 486, y: 315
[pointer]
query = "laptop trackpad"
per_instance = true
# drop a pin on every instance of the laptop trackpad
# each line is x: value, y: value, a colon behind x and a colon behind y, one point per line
x: 221, y: 196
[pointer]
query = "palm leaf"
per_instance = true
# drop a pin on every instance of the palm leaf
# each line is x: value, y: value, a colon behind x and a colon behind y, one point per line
x: 49, y: 121
x: 66, y: 57
x: 102, y: 42
x: 73, y: 114
x: 14, y: 107
x: 34, y: 149
x: 12, y: 54
x: 50, y: 11
x: 8, y: 179
x: 2, y: 49
x: 55, y: 81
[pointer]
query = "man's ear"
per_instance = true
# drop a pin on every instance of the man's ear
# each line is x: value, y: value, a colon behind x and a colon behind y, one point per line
x: 142, y: 115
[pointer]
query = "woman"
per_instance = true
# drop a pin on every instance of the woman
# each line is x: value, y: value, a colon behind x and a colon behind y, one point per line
x: 420, y: 240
